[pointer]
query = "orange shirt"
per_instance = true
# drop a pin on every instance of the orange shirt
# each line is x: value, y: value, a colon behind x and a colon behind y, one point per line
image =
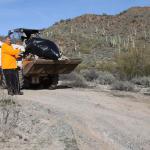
x: 9, y: 55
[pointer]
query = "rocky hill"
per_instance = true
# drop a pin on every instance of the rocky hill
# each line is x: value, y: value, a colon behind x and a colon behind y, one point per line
x: 97, y: 37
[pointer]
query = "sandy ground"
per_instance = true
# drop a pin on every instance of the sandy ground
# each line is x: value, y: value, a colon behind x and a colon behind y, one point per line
x: 78, y: 119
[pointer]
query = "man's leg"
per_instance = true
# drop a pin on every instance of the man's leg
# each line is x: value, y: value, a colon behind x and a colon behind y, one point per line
x: 16, y: 83
x: 8, y: 75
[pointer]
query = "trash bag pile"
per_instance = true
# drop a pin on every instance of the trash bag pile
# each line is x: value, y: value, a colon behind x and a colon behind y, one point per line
x: 43, y: 48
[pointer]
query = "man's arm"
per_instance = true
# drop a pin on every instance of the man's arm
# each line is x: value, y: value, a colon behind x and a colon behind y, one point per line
x: 9, y: 50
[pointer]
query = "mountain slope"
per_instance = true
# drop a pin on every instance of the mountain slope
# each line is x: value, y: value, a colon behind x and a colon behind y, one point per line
x: 97, y: 37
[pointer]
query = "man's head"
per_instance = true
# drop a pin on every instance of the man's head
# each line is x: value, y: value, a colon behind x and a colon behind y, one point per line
x: 8, y: 40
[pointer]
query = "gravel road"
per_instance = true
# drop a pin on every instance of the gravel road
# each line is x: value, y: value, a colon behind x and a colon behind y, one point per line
x: 77, y: 119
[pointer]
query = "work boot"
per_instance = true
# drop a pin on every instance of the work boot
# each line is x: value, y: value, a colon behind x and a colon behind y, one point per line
x: 53, y: 87
x: 19, y: 93
x: 11, y: 93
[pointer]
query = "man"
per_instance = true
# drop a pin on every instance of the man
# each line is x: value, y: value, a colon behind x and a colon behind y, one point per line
x: 9, y: 67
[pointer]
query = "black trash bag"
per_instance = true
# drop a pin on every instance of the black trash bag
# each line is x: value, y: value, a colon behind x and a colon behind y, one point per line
x: 42, y: 48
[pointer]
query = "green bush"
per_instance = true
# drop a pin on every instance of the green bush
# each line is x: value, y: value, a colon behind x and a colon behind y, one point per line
x: 81, y: 66
x: 108, y: 66
x: 134, y: 62
x: 90, y: 74
x: 79, y: 82
x: 105, y: 78
x: 75, y: 80
x: 68, y: 77
x: 123, y: 86
x: 143, y: 81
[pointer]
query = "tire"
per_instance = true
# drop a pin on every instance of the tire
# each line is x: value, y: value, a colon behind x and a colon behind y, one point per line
x: 49, y: 81
x: 23, y: 81
x: 21, y: 78
x: 54, y: 80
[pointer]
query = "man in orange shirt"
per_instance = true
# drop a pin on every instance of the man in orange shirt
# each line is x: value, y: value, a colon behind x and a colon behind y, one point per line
x: 9, y: 67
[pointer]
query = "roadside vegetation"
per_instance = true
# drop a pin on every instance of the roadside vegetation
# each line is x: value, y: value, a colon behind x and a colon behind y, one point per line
x: 115, y: 50
x: 128, y: 71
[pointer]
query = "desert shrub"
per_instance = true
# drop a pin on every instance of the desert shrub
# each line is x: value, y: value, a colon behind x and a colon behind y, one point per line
x: 108, y: 66
x: 133, y: 62
x: 123, y: 86
x: 143, y: 81
x: 90, y: 74
x: 127, y: 64
x: 75, y: 80
x: 85, y: 50
x: 69, y: 77
x: 81, y: 66
x: 148, y: 90
x: 105, y: 78
x: 79, y: 82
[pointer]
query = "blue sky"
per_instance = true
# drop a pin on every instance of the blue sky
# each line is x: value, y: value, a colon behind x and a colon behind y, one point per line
x: 44, y: 13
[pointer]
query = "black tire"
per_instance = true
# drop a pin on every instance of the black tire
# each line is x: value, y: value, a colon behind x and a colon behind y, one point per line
x: 21, y: 78
x: 54, y: 80
x: 23, y: 81
x: 50, y: 81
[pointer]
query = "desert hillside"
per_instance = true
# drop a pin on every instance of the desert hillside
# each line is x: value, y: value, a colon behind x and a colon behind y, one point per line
x: 97, y: 37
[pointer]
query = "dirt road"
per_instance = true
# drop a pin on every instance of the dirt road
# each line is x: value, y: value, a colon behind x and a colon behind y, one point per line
x: 82, y: 119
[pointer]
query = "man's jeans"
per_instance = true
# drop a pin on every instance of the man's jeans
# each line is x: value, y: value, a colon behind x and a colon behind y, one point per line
x: 12, y: 80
